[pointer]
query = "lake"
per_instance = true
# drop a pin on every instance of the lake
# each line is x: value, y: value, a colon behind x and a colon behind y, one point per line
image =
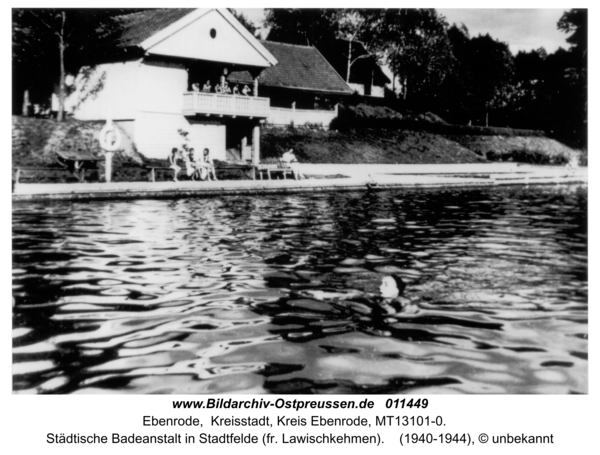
x: 206, y: 295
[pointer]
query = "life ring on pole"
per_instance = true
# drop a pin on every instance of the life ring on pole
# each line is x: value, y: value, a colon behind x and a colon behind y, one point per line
x: 110, y: 137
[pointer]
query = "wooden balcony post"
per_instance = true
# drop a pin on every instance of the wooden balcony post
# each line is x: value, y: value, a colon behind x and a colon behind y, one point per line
x: 255, y: 86
x: 256, y: 145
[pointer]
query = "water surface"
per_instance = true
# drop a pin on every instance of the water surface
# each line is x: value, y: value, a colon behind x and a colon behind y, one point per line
x: 199, y: 295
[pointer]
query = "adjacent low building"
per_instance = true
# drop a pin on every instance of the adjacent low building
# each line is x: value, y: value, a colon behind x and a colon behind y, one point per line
x: 366, y: 78
x: 303, y: 87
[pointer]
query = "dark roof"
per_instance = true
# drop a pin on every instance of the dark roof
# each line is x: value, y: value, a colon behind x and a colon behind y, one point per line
x: 336, y: 53
x: 298, y: 67
x: 137, y: 27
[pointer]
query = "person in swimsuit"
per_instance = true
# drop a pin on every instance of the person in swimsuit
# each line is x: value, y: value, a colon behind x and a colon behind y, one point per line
x: 174, y: 157
x: 389, y: 300
x: 207, y: 163
x: 288, y: 159
x: 190, y: 167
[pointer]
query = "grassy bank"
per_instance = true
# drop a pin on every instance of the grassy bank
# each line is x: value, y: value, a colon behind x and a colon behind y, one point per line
x: 368, y: 146
x: 35, y: 141
x: 412, y: 146
x: 419, y: 141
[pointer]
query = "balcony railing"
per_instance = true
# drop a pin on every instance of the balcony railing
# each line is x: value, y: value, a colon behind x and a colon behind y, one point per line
x: 283, y: 116
x: 228, y: 105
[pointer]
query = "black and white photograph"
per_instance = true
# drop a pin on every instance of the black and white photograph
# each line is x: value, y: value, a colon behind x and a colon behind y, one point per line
x: 299, y: 201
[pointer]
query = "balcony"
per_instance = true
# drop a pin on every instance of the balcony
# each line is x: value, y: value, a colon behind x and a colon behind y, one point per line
x: 203, y: 103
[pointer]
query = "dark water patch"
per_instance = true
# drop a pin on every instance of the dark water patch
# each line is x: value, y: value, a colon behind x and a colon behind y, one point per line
x: 579, y: 355
x: 556, y: 363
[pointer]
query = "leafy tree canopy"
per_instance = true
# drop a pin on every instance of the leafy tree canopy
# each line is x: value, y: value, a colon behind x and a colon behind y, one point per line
x: 575, y: 22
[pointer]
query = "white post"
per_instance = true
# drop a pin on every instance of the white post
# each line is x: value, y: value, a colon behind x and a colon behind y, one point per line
x: 255, y: 93
x: 256, y: 145
x: 108, y: 166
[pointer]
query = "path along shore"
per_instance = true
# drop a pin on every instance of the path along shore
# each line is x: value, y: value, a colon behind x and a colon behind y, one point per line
x: 356, y: 177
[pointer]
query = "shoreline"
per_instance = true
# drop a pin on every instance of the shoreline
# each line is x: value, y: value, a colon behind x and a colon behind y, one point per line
x: 371, y: 177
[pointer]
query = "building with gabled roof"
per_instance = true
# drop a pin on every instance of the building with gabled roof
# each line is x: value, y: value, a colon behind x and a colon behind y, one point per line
x: 150, y: 87
x: 303, y: 87
x: 366, y: 76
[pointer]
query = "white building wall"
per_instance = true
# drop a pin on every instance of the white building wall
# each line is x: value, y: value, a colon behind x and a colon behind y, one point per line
x: 160, y: 91
x: 208, y: 135
x: 358, y: 88
x: 377, y: 91
x: 283, y: 116
x: 160, y: 88
x: 197, y: 42
x: 105, y: 91
x: 157, y: 134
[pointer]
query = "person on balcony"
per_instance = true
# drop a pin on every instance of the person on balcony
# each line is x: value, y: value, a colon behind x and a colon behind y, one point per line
x: 195, y: 87
x: 206, y: 87
x: 226, y: 88
x: 218, y: 88
x: 246, y: 90
x: 236, y: 90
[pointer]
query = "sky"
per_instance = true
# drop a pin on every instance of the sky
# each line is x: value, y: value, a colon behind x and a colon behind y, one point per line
x: 521, y: 29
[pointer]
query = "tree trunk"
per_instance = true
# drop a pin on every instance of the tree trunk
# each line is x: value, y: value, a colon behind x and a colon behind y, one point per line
x: 349, y: 61
x: 25, y: 111
x: 487, y: 118
x: 61, y: 82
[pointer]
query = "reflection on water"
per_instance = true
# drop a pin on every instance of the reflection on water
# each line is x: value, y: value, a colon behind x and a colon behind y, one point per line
x: 197, y: 295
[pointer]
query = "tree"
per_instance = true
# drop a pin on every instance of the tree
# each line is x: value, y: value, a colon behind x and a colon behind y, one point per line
x: 308, y: 27
x: 356, y: 25
x: 575, y: 21
x: 242, y: 19
x: 489, y: 67
x: 416, y: 46
x: 55, y: 42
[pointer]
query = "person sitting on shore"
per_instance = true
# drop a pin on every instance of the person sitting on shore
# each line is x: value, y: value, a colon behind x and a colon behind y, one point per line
x: 174, y: 157
x: 206, y: 87
x: 246, y: 91
x: 208, y: 165
x: 289, y: 160
x: 190, y: 166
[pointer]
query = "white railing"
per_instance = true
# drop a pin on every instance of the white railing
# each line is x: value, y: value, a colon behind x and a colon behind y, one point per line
x: 283, y: 116
x: 218, y: 104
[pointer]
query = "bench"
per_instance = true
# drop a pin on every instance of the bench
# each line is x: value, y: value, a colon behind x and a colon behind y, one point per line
x: 21, y: 173
x: 153, y: 170
x: 245, y: 171
x: 274, y: 170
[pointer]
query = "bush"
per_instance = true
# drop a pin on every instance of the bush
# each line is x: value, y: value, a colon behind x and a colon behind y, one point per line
x: 528, y: 156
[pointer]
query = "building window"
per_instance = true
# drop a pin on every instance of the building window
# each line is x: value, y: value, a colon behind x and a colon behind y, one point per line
x: 213, y: 33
